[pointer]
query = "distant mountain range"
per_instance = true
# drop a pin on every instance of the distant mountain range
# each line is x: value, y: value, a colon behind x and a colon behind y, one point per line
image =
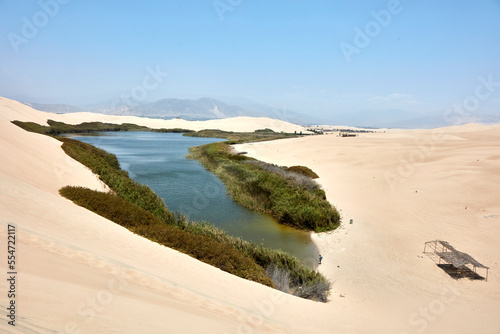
x: 209, y: 108
x: 200, y: 109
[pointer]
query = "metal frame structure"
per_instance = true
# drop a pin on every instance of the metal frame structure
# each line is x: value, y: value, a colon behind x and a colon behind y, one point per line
x: 450, y: 255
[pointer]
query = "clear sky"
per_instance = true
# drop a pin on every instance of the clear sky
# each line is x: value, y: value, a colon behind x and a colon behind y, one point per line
x: 321, y: 57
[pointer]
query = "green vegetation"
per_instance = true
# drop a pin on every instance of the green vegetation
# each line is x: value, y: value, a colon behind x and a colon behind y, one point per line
x: 174, y: 130
x: 143, y: 223
x: 57, y: 128
x: 288, y: 194
x: 106, y: 165
x: 241, y: 137
x: 292, y: 198
x: 306, y: 171
x: 139, y: 209
x: 286, y: 271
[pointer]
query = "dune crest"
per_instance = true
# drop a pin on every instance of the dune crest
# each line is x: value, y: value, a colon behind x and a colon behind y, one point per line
x: 80, y: 271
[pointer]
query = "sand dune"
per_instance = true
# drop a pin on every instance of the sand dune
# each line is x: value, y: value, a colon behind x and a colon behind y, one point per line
x: 241, y: 123
x: 403, y: 188
x: 79, y: 272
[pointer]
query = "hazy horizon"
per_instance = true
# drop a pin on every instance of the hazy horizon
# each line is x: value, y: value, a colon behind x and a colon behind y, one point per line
x: 323, y: 59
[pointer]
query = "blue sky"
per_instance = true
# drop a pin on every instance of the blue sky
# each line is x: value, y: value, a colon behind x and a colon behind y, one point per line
x: 421, y: 57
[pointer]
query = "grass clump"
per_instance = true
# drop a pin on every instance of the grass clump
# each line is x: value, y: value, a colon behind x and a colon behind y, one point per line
x: 298, y: 179
x: 57, y: 128
x: 174, y: 130
x: 298, y: 276
x: 143, y: 223
x: 106, y: 165
x: 303, y: 170
x: 291, y: 198
x: 241, y: 137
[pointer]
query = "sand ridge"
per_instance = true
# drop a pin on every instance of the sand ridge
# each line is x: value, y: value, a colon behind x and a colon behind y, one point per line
x: 79, y: 271
x: 236, y: 124
x: 403, y: 188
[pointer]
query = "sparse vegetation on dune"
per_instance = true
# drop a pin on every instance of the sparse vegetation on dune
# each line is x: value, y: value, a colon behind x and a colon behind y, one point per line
x: 143, y: 223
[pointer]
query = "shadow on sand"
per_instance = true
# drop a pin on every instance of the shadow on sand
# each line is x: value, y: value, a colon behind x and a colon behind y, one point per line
x: 461, y: 272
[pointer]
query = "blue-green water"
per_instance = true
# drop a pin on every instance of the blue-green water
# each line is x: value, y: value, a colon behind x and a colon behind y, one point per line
x: 158, y: 160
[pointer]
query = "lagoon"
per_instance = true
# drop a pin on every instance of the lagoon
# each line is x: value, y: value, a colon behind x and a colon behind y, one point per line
x: 159, y: 161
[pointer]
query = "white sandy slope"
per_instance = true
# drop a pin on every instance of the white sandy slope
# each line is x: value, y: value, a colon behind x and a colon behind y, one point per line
x: 80, y: 273
x: 402, y: 189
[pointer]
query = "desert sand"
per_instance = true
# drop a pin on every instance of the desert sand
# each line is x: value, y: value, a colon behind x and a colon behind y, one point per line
x: 80, y: 273
x: 401, y: 189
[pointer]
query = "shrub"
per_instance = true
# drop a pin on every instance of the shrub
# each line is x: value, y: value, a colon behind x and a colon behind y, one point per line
x: 143, y: 223
x: 280, y: 277
x: 174, y: 130
x: 241, y: 137
x: 106, y: 165
x: 292, y: 199
x: 317, y: 290
x: 306, y: 171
